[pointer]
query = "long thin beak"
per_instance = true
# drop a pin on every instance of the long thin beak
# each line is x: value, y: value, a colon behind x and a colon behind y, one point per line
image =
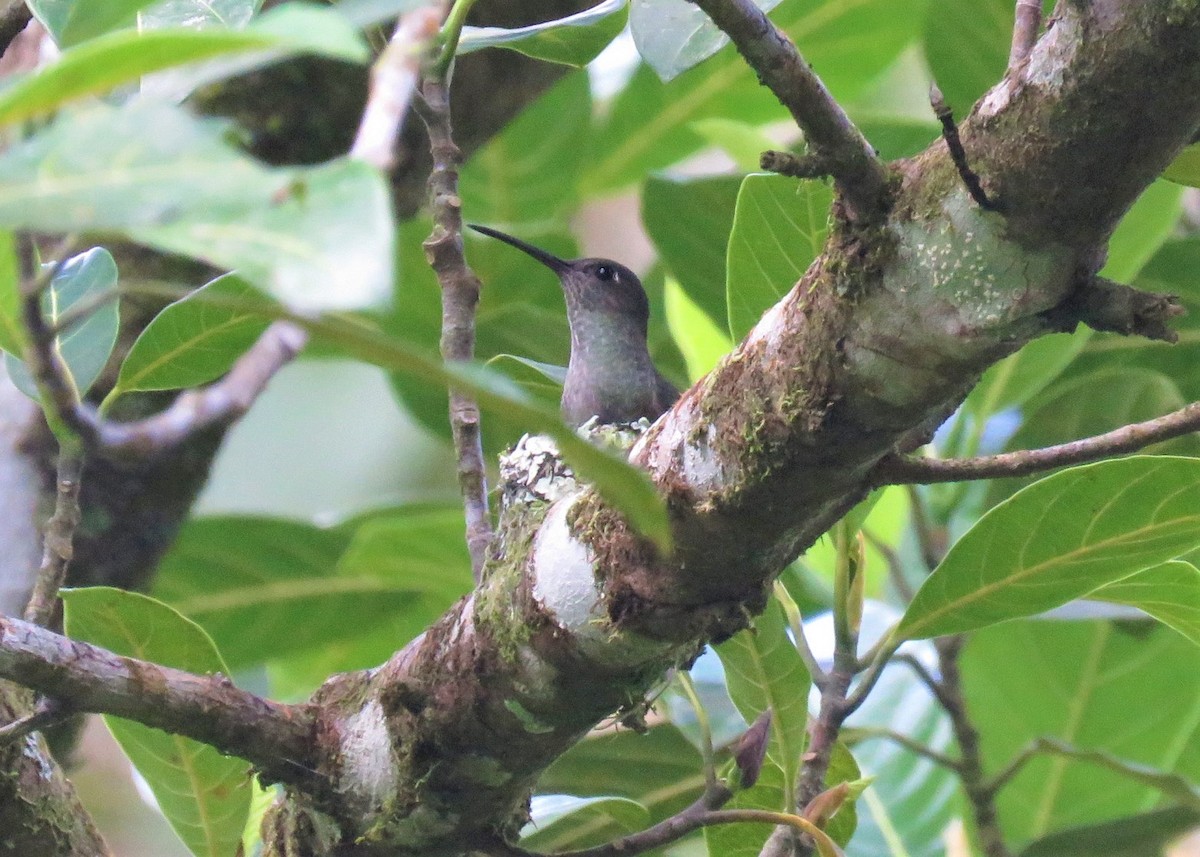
x: 551, y: 261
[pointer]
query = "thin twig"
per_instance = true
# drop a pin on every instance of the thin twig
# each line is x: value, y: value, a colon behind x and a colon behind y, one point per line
x: 860, y: 175
x: 796, y: 622
x: 278, y: 738
x: 931, y: 541
x: 47, y: 713
x: 58, y: 539
x: 907, y: 469
x: 927, y: 678
x: 863, y: 733
x: 970, y: 764
x: 895, y: 566
x: 393, y: 82
x: 1025, y: 33
x: 957, y: 153
x: 460, y: 296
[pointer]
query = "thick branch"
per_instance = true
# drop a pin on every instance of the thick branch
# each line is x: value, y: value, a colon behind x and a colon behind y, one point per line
x: 278, y: 739
x: 1104, y: 305
x: 860, y: 175
x: 900, y: 470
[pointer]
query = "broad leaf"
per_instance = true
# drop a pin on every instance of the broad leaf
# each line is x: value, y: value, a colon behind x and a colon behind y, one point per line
x: 107, y: 62
x: 779, y: 227
x: 204, y: 795
x: 1144, y: 835
x: 575, y: 40
x: 966, y: 45
x: 689, y: 221
x: 1059, y: 539
x: 649, y: 125
x: 83, y: 347
x: 248, y: 580
x: 702, y: 342
x: 194, y: 340
x: 1169, y: 592
x: 185, y: 189
x: 763, y: 670
x: 231, y: 14
x: 544, y: 381
x: 674, y: 35
x: 743, y: 143
x: 72, y: 21
x: 1075, y: 681
x: 1185, y: 169
x: 554, y: 815
x: 669, y: 776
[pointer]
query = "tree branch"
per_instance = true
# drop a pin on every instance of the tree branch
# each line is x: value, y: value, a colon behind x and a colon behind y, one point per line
x: 863, y: 733
x: 57, y: 539
x: 1104, y: 305
x: 1025, y: 32
x: 460, y: 296
x: 832, y: 137
x: 14, y: 17
x: 908, y: 469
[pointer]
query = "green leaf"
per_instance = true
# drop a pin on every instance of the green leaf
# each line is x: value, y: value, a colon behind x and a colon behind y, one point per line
x: 763, y: 670
x: 674, y: 35
x: 1097, y: 686
x: 1170, y: 785
x: 553, y: 814
x: 193, y: 340
x: 84, y: 347
x: 186, y: 189
x: 248, y: 581
x: 689, y: 221
x: 1059, y: 539
x: 1144, y: 835
x: 649, y: 124
x: 779, y: 227
x: 544, y: 381
x: 966, y: 46
x: 508, y: 180
x: 70, y: 22
x: 231, y: 14
x: 1185, y: 169
x: 702, y: 342
x: 575, y: 40
x: 204, y: 795
x: 118, y: 58
x: 747, y: 840
x: 12, y: 330
x: 743, y: 143
x: 1169, y: 592
x: 668, y: 777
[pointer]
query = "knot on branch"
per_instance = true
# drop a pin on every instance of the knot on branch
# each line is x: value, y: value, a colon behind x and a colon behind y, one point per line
x: 1102, y: 304
x: 810, y: 166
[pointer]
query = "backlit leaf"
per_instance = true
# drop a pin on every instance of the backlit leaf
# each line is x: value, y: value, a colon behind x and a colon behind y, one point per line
x: 575, y: 40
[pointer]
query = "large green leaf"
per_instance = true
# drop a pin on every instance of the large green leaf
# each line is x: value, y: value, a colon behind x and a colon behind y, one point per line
x: 204, y: 795
x: 1169, y: 592
x: 1059, y: 539
x: 251, y: 582
x: 848, y: 42
x: 1145, y: 835
x: 83, y: 347
x: 557, y: 817
x: 528, y: 173
x: 193, y: 340
x: 779, y: 227
x: 689, y: 221
x: 1093, y: 685
x: 702, y: 342
x: 72, y: 21
x: 109, y: 61
x: 966, y: 45
x: 763, y: 670
x: 674, y: 35
x: 575, y: 40
x: 1185, y: 169
x: 661, y: 770
x: 187, y: 190
x: 1142, y: 231
x: 199, y: 13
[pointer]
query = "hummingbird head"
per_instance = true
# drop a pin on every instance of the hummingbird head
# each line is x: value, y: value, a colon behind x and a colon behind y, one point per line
x: 590, y: 285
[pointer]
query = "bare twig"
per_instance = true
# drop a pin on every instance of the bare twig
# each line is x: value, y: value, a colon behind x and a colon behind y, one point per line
x: 927, y: 678
x: 899, y: 470
x: 931, y: 539
x: 895, y: 566
x: 809, y: 166
x: 279, y: 739
x: 860, y: 175
x: 58, y: 539
x: 1025, y: 33
x: 970, y: 763
x: 957, y: 153
x: 46, y: 713
x: 864, y: 733
x: 393, y: 82
x: 460, y: 296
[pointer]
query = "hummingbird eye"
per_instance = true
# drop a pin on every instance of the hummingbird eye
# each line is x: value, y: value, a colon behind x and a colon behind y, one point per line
x: 605, y: 273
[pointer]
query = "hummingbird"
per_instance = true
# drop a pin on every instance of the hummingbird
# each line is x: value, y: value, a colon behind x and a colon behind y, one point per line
x: 610, y: 375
